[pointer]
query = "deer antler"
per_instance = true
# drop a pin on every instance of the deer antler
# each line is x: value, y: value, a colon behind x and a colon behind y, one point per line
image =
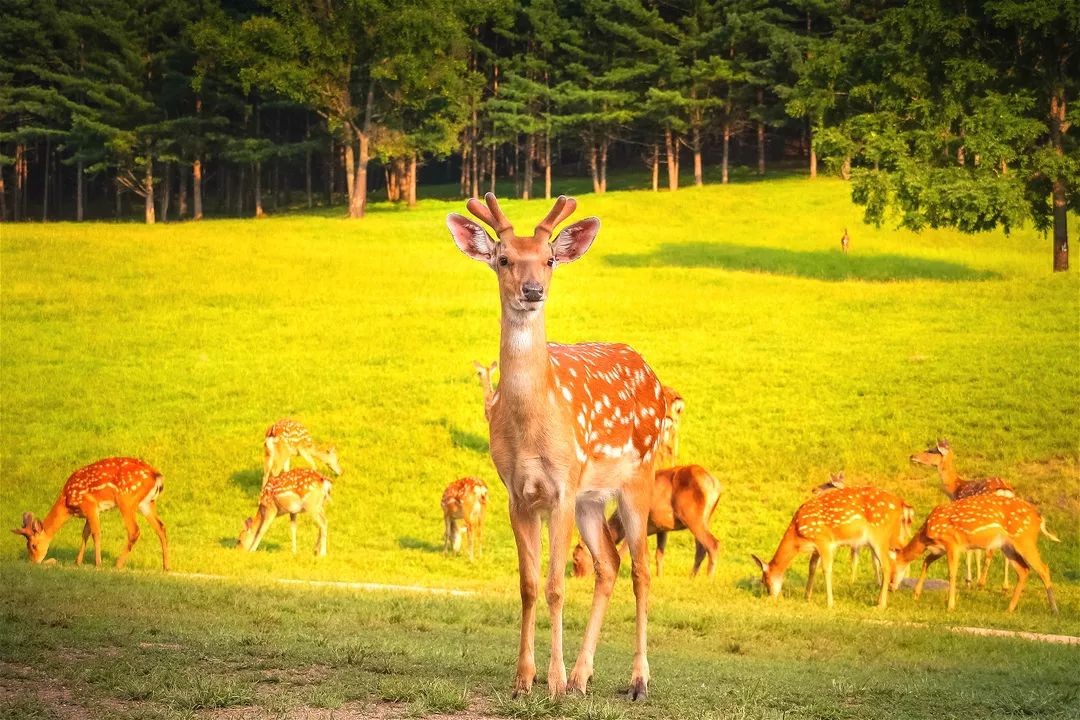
x: 492, y: 215
x: 564, y: 207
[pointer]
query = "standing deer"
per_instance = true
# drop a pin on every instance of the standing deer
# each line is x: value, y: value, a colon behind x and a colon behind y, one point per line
x: 942, y: 457
x: 572, y: 426
x: 287, y: 438
x: 294, y: 492
x: 464, y: 503
x: 684, y: 497
x: 124, y: 483
x: 484, y: 372
x: 845, y: 241
x: 980, y: 521
x: 844, y: 516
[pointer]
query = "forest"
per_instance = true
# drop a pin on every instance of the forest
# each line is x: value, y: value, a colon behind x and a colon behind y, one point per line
x: 941, y: 113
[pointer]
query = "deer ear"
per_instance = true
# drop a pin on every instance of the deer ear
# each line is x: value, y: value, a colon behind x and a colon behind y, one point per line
x: 470, y: 238
x: 764, y: 566
x: 37, y: 527
x: 575, y: 240
x: 248, y: 522
x: 20, y: 531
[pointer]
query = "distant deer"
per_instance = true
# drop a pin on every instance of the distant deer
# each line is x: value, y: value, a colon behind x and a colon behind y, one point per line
x: 124, y: 483
x: 684, y: 497
x: 484, y: 372
x: 572, y: 426
x: 845, y: 241
x: 942, y: 457
x: 844, y: 516
x: 287, y: 438
x: 294, y: 491
x: 464, y: 503
x: 668, y: 454
x: 983, y: 521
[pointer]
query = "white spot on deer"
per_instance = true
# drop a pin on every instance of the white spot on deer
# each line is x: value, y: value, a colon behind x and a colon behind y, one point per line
x: 566, y: 393
x: 573, y: 372
x: 581, y: 420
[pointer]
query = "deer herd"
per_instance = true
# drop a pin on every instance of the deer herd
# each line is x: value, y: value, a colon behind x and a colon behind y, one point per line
x: 573, y: 430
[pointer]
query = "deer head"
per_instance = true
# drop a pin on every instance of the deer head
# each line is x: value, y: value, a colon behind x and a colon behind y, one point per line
x: 247, y: 534
x: 523, y: 263
x: 37, y: 543
x: 770, y: 581
x: 933, y: 456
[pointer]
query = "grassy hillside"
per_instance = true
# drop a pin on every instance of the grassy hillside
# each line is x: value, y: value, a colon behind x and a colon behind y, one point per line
x: 180, y: 344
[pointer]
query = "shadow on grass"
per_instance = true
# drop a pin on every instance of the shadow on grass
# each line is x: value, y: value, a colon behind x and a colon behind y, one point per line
x: 250, y: 481
x: 411, y: 543
x: 465, y: 439
x: 830, y: 266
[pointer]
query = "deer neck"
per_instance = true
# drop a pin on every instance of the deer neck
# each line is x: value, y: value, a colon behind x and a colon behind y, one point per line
x: 58, y: 515
x: 912, y: 550
x: 949, y: 477
x: 524, y: 359
x: 785, y: 552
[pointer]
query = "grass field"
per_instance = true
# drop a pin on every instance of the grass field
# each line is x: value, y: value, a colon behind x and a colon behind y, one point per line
x: 180, y: 344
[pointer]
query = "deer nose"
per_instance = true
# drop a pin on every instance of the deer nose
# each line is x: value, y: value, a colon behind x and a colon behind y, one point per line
x: 533, y: 292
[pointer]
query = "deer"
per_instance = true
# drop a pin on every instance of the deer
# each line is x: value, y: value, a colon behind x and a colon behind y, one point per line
x: 684, y: 497
x: 127, y: 484
x: 842, y: 516
x: 572, y: 427
x: 845, y: 242
x: 484, y: 372
x: 942, y: 457
x: 287, y: 438
x: 985, y: 521
x: 294, y: 491
x: 464, y: 503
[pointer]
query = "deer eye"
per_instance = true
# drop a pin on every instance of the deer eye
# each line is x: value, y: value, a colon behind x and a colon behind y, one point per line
x: 551, y: 262
x: 503, y: 260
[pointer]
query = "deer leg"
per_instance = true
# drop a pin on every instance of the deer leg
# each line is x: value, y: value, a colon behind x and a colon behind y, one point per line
x: 706, y: 545
x: 268, y: 459
x: 319, y: 516
x: 661, y: 548
x: 560, y: 528
x: 595, y: 535
x: 953, y: 558
x: 1005, y: 582
x: 984, y: 569
x: 448, y: 527
x: 128, y: 514
x: 882, y: 560
x: 479, y: 525
x: 306, y: 454
x: 90, y: 512
x: 1023, y: 569
x: 292, y: 532
x: 854, y: 563
x: 82, y: 546
x: 811, y: 571
x: 526, y: 526
x: 929, y: 560
x: 634, y: 509
x: 150, y: 513
x: 826, y: 563
x: 267, y: 513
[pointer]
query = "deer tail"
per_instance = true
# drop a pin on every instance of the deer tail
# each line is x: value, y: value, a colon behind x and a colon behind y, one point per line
x: 1047, y: 533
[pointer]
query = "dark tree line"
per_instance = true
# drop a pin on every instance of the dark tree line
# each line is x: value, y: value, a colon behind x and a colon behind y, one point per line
x: 941, y: 113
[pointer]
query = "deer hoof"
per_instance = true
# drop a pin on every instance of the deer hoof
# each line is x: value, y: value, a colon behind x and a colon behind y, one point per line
x: 578, y: 683
x: 639, y: 690
x: 522, y: 686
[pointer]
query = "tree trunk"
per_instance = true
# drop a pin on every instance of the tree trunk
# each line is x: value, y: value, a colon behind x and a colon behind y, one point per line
x: 672, y: 160
x: 411, y: 200
x: 80, y: 192
x: 358, y: 187
x: 166, y: 191
x: 603, y: 165
x: 20, y: 186
x: 350, y: 172
x: 196, y: 194
x: 117, y: 209
x: 240, y: 182
x: 845, y: 168
x: 530, y: 148
x: 494, y: 167
x: 654, y: 160
x: 1058, y: 126
x: 474, y: 161
x: 45, y: 185
x: 594, y: 168
x: 813, y: 154
x: 761, y: 135
x: 3, y: 197
x: 182, y: 197
x: 699, y: 180
x: 331, y: 163
x: 726, y: 155
x: 148, y: 189
x: 257, y: 174
x: 547, y: 166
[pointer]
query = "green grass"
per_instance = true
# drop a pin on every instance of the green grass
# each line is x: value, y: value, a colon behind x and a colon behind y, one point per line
x: 180, y: 344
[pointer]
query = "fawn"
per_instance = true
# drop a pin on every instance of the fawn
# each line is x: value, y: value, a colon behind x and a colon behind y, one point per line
x: 124, y: 483
x: 485, y: 372
x: 942, y: 457
x: 287, y: 438
x: 980, y: 521
x: 294, y: 492
x: 842, y: 516
x: 845, y: 241
x: 464, y: 503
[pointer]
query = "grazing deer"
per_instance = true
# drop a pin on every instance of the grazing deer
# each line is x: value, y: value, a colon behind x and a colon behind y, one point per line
x: 294, y: 492
x: 572, y: 426
x: 287, y: 438
x: 127, y: 484
x: 843, y: 516
x: 684, y: 497
x: 464, y: 503
x: 942, y: 457
x: 845, y: 242
x: 980, y: 521
x: 669, y: 444
x: 484, y: 372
